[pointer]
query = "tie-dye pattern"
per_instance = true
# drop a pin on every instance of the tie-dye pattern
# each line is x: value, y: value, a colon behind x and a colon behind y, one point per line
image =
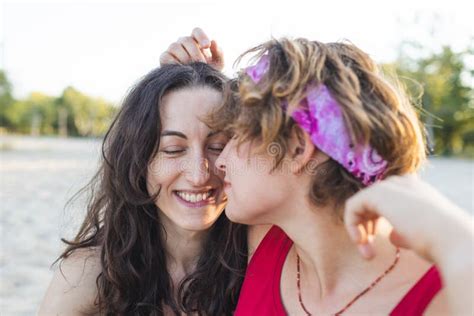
x: 321, y: 117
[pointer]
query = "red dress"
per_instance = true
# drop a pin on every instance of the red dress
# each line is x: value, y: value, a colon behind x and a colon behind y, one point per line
x: 260, y: 294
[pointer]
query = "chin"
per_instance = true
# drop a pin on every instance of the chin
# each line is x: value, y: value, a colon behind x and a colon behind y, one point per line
x: 234, y: 216
x: 244, y: 215
x: 203, y: 221
x: 198, y: 226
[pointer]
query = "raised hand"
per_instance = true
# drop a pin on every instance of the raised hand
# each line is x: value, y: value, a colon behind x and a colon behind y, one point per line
x: 195, y: 48
x: 422, y: 219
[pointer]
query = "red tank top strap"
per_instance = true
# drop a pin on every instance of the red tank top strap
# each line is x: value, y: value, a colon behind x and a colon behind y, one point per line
x: 260, y: 291
x: 260, y: 294
x: 420, y: 295
x: 270, y: 247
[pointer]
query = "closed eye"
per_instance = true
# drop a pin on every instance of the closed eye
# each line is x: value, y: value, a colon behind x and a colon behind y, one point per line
x: 173, y: 151
x: 217, y: 148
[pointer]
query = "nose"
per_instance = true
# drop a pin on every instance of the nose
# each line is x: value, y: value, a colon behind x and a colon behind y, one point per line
x: 198, y: 171
x: 220, y: 162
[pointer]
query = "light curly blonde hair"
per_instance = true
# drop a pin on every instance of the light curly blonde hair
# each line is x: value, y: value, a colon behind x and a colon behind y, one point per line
x: 376, y: 110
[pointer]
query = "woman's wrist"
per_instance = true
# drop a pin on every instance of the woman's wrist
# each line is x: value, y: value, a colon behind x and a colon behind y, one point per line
x: 453, y: 247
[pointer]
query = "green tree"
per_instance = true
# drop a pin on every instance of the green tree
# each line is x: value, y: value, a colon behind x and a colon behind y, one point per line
x: 6, y: 100
x: 35, y: 114
x: 447, y: 84
x: 73, y: 113
x: 87, y: 116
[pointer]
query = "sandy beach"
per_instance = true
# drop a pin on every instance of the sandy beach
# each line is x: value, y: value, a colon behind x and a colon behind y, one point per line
x: 38, y: 175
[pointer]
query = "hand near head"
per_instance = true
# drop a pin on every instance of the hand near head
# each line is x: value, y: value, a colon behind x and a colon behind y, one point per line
x: 422, y: 219
x: 194, y: 48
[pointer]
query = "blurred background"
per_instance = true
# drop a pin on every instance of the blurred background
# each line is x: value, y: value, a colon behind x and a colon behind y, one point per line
x: 65, y: 67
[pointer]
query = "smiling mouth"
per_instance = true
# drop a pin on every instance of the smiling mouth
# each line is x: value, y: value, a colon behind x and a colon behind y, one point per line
x: 205, y: 197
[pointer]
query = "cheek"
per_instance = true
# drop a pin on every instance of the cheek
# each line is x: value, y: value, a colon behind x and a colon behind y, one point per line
x: 161, y: 173
x: 255, y: 192
x: 251, y: 202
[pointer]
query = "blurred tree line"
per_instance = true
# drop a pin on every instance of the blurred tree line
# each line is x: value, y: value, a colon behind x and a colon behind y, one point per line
x: 440, y: 83
x: 71, y: 114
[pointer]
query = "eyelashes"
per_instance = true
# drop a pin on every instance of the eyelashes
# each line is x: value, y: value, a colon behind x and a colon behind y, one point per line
x: 217, y: 148
x: 172, y: 152
x: 214, y: 149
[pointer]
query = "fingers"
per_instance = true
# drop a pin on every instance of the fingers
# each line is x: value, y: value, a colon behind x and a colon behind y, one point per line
x: 192, y: 49
x: 179, y: 53
x: 217, y: 55
x: 397, y: 240
x: 367, y: 235
x: 167, y: 58
x: 360, y: 219
x: 362, y: 232
x: 183, y: 51
x: 366, y: 250
x: 360, y: 210
x: 201, y: 38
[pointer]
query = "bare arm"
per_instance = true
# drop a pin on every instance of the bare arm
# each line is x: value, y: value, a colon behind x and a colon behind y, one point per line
x: 73, y: 289
x: 426, y: 222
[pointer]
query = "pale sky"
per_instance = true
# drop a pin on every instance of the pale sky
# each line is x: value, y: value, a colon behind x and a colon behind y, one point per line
x: 103, y: 47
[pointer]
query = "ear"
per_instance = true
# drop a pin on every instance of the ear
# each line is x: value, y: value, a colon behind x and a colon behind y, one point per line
x: 302, y: 152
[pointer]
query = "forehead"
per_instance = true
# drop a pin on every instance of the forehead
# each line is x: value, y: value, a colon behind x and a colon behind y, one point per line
x: 185, y: 108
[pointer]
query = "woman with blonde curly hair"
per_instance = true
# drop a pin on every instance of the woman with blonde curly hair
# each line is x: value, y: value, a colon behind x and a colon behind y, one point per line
x: 323, y: 145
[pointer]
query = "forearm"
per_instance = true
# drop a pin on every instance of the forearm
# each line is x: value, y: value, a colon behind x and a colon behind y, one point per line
x: 454, y: 256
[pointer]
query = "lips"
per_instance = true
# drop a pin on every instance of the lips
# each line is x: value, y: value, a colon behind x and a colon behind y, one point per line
x: 194, y: 198
x: 227, y: 184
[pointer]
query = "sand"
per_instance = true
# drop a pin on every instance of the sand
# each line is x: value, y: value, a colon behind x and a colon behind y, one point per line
x: 38, y: 175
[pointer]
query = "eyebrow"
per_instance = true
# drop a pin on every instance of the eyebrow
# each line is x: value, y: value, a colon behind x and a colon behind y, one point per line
x: 179, y: 134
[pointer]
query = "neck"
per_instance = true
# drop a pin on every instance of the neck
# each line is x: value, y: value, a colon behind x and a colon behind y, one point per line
x: 330, y: 262
x: 183, y: 248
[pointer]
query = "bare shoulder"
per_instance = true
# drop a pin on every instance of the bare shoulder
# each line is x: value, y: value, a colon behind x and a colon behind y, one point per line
x: 439, y: 305
x: 256, y: 233
x: 73, y: 288
x: 412, y: 269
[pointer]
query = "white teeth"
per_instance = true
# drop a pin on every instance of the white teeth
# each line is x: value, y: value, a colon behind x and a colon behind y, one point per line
x: 193, y: 198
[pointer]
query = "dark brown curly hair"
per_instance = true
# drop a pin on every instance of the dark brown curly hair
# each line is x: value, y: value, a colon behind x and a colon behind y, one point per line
x: 122, y: 219
x: 375, y: 108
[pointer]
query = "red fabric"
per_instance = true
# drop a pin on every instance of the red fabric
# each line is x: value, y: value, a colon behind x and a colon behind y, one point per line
x: 420, y: 295
x: 260, y: 294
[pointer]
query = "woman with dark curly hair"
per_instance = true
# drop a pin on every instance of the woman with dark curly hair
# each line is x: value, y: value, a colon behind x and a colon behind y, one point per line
x: 155, y: 240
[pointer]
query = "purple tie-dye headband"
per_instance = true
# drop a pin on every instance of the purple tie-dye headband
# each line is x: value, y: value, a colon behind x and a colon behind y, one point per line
x: 321, y: 117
